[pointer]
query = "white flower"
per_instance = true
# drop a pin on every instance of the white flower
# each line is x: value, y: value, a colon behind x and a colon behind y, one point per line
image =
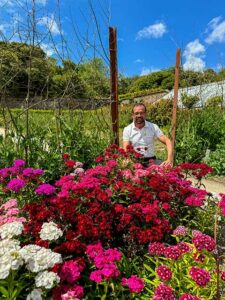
x: 7, y: 246
x: 38, y: 258
x: 35, y: 295
x: 5, y: 266
x: 46, y: 279
x: 9, y: 230
x: 50, y: 231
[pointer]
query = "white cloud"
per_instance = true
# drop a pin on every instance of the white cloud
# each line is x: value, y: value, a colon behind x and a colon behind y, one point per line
x: 50, y: 23
x: 194, y: 63
x: 194, y: 48
x: 156, y: 30
x: 139, y: 61
x: 146, y: 71
x: 194, y: 54
x: 47, y: 49
x: 216, y: 27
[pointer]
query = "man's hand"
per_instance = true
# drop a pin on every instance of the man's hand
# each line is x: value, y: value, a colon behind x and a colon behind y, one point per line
x: 167, y: 163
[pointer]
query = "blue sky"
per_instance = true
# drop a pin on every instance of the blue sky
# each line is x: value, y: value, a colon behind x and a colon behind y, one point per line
x: 149, y: 32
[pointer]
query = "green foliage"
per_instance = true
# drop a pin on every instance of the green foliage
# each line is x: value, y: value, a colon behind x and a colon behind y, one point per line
x: 215, y: 101
x: 189, y: 101
x: 216, y: 159
x: 132, y: 95
x: 197, y: 131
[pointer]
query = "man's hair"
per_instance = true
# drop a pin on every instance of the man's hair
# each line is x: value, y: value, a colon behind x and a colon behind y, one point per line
x: 139, y: 104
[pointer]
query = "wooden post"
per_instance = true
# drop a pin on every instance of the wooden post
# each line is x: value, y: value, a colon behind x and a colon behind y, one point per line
x: 176, y: 85
x: 114, y: 83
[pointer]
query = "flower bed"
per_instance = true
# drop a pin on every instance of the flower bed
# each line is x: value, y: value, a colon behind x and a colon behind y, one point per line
x: 96, y: 228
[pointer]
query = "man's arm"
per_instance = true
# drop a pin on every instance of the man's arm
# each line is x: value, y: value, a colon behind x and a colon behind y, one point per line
x: 165, y: 140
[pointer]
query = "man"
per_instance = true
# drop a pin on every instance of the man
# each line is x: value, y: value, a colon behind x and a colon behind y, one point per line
x: 141, y: 134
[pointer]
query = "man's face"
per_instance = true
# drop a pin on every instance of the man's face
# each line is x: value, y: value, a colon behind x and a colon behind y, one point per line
x: 139, y: 114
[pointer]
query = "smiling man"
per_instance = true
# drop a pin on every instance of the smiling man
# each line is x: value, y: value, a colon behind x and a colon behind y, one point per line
x: 142, y: 134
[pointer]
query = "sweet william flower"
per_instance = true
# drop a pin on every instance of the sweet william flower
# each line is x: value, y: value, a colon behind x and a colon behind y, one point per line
x: 134, y: 283
x: 50, y: 231
x: 46, y: 279
x: 164, y: 273
x: 189, y: 297
x: 200, y: 276
x: 35, y: 295
x: 45, y: 189
x: 9, y: 230
x: 16, y: 184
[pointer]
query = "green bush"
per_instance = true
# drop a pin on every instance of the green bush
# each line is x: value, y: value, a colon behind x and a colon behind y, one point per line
x: 216, y: 159
x: 189, y: 100
x: 214, y: 101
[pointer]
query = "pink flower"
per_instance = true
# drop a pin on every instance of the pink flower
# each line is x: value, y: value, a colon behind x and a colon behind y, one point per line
x: 110, y: 271
x: 223, y: 275
x: 96, y: 276
x: 16, y: 184
x: 9, y: 204
x: 204, y: 241
x: 163, y: 292
x: 172, y: 252
x: 71, y: 295
x: 180, y: 230
x: 183, y: 247
x: 200, y: 276
x: 70, y: 271
x: 188, y: 297
x: 19, y: 163
x: 156, y: 248
x: 45, y: 189
x: 94, y: 250
x: 134, y: 283
x: 164, y: 273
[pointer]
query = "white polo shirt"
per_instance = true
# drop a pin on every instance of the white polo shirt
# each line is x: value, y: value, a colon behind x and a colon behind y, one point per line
x: 143, y: 139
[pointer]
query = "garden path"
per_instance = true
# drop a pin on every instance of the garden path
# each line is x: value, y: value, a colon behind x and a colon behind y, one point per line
x: 215, y: 184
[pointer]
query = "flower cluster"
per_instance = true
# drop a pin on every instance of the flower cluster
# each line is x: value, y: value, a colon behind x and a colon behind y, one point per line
x: 134, y: 283
x: 197, y: 170
x: 104, y: 261
x: 203, y: 241
x: 164, y: 273
x: 50, y: 231
x: 45, y: 189
x: 222, y: 203
x: 163, y: 292
x: 9, y: 212
x: 200, y: 276
x: 189, y: 297
x: 180, y: 230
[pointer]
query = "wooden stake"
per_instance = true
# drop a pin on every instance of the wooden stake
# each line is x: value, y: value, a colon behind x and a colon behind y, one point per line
x: 114, y: 83
x: 176, y: 85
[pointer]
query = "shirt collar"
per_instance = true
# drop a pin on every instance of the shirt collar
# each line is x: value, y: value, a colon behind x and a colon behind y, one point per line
x: 134, y: 127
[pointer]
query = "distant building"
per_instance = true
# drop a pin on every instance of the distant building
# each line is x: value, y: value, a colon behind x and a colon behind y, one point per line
x: 204, y: 92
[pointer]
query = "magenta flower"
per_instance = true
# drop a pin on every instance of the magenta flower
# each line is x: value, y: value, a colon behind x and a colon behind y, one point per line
x: 45, y: 189
x: 204, y: 241
x: 94, y: 250
x: 134, y: 283
x: 184, y: 247
x: 172, y: 252
x: 16, y: 184
x: 164, y: 273
x: 188, y: 297
x: 110, y: 271
x: 96, y: 276
x: 223, y: 275
x: 70, y: 271
x: 200, y: 276
x: 163, y: 292
x: 19, y: 163
x: 156, y: 248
